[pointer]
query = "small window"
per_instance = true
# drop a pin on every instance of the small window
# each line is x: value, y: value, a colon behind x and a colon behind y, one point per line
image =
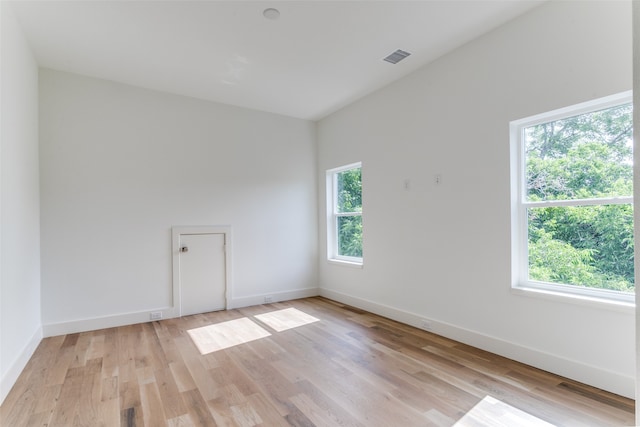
x: 573, y: 205
x: 344, y: 213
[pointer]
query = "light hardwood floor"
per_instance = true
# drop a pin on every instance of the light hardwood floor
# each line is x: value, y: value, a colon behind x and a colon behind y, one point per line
x: 345, y: 368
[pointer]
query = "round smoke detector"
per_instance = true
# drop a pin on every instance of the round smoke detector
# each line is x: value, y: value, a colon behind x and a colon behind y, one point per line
x: 271, y: 13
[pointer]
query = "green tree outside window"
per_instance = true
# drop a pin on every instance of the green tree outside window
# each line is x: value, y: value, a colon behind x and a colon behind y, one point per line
x: 582, y: 158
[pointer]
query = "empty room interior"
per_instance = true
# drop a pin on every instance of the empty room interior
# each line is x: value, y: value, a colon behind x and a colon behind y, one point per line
x: 356, y: 213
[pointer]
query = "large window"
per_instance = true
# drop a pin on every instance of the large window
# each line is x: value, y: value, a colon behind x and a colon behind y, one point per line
x: 344, y: 214
x: 573, y: 205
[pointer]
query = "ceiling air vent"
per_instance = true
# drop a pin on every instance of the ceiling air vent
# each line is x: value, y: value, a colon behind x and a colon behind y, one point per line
x: 397, y: 56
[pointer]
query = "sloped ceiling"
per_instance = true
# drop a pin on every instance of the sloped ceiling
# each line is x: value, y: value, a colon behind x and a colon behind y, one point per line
x: 317, y: 57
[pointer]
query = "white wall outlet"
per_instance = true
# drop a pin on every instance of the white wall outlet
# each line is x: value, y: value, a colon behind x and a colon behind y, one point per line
x: 268, y: 299
x: 156, y: 315
x: 437, y: 179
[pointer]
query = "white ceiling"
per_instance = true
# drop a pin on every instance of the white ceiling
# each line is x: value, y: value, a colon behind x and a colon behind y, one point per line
x: 316, y: 58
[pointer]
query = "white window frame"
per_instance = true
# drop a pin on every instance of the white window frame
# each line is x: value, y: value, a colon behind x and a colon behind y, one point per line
x: 519, y: 231
x: 332, y: 217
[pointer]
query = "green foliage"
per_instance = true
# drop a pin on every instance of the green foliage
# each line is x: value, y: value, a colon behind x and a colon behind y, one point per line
x: 552, y: 260
x: 350, y: 190
x: 350, y: 236
x: 588, y: 170
x: 583, y: 157
x: 349, y: 187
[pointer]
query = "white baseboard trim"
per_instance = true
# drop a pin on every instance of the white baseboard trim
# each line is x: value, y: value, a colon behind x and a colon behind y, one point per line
x: 113, y: 321
x: 95, y: 323
x: 274, y: 297
x: 592, y: 375
x: 11, y: 376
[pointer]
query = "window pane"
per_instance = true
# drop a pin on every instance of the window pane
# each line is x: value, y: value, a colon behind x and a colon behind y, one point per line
x: 349, y: 191
x: 588, y: 246
x: 350, y: 236
x: 581, y: 157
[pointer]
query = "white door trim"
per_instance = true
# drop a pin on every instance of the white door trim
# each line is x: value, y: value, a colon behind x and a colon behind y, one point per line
x: 176, y: 232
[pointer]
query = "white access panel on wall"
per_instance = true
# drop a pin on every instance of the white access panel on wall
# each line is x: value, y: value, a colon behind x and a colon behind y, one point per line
x: 201, y: 259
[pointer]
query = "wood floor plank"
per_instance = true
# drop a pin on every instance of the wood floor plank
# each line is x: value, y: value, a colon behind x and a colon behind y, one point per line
x: 549, y: 386
x: 90, y: 403
x: 165, y: 339
x: 25, y: 399
x: 154, y: 349
x: 296, y: 418
x: 202, y: 378
x: 153, y: 411
x: 198, y: 409
x: 63, y: 359
x: 431, y: 393
x: 170, y: 396
x: 128, y: 417
x: 245, y: 415
x: 268, y: 380
x: 67, y: 408
x: 267, y: 412
x: 350, y: 369
x: 230, y: 372
x: 130, y: 403
x: 331, y: 407
x: 181, y: 421
x: 438, y: 418
x: 109, y: 389
x: 222, y: 413
x: 317, y: 415
x: 220, y: 407
x: 81, y: 349
x: 109, y: 412
x: 182, y: 376
x: 110, y: 353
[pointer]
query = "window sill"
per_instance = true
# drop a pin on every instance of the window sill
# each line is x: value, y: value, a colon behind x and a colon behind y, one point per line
x: 571, y: 298
x: 344, y: 263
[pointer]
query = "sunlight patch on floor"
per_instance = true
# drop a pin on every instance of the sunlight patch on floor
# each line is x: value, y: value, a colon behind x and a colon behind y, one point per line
x: 288, y: 318
x: 494, y: 413
x: 226, y: 334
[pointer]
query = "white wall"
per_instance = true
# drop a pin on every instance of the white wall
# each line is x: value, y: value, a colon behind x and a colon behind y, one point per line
x: 121, y: 165
x: 443, y: 252
x: 20, y: 330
